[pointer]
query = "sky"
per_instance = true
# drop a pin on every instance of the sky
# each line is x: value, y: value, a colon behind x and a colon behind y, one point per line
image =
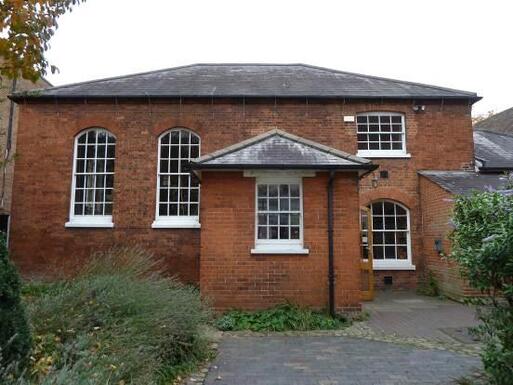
x: 453, y: 43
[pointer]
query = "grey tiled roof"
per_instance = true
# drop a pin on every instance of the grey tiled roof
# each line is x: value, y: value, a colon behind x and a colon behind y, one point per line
x: 250, y: 80
x: 278, y: 149
x: 500, y: 122
x: 464, y: 182
x: 493, y: 151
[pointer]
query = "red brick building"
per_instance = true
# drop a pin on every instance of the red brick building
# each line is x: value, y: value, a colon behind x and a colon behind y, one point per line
x: 246, y: 179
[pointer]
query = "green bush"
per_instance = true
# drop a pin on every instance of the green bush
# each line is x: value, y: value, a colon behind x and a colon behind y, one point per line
x: 281, y: 318
x: 119, y: 321
x: 483, y: 248
x: 15, y: 338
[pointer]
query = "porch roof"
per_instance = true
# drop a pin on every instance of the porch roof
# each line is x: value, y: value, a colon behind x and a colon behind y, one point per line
x: 278, y: 149
x: 465, y: 182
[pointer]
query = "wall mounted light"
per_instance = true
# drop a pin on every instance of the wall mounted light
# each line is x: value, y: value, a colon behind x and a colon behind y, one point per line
x: 419, y: 108
x: 439, y: 246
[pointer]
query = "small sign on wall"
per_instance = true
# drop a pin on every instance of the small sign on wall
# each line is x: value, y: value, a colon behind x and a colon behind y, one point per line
x: 348, y: 119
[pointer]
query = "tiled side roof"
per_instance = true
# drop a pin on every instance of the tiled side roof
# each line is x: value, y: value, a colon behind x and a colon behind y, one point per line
x: 501, y: 122
x: 277, y: 149
x: 464, y: 182
x: 493, y: 151
x: 250, y: 80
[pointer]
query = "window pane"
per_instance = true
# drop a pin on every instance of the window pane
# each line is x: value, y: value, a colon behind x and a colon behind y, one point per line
x: 273, y: 232
x: 262, y: 219
x: 273, y: 190
x: 284, y: 190
x: 294, y: 219
x: 193, y: 209
x: 262, y: 204
x: 262, y: 190
x: 164, y: 152
x: 175, y: 137
x: 262, y: 232
x: 377, y: 223
x: 284, y: 232
x: 294, y: 204
x: 162, y: 209
x: 273, y: 204
x: 389, y: 208
x: 284, y: 219
x: 294, y: 190
x: 294, y: 232
x: 195, y: 195
x: 164, y: 195
x: 284, y: 204
x: 79, y: 209
x: 389, y: 252
x: 378, y: 252
x: 185, y: 136
x: 402, y: 252
x: 273, y: 219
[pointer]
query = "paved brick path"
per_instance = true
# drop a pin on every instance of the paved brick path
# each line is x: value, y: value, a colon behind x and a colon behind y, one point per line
x: 409, y: 315
x: 331, y: 360
x: 408, y: 339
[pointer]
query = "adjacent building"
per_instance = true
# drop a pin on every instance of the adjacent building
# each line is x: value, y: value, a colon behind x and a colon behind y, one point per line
x: 8, y: 132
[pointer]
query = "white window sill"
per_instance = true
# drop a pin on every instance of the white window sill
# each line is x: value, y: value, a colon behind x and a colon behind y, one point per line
x: 89, y: 224
x: 393, y: 266
x: 176, y: 223
x: 383, y: 154
x: 277, y: 249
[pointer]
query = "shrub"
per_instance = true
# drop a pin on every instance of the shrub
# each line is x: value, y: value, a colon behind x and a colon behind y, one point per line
x: 280, y: 318
x: 118, y: 321
x: 483, y: 248
x: 15, y: 338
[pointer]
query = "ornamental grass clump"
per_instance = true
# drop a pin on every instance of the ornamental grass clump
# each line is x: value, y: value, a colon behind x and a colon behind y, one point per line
x: 119, y: 321
x: 483, y: 248
x: 15, y: 338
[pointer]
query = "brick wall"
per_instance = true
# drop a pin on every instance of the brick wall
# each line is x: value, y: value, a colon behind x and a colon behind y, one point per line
x: 440, y: 138
x: 234, y: 278
x: 437, y: 205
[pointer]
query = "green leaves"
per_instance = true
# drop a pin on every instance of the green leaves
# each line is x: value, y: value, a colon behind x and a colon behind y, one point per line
x: 26, y: 28
x: 483, y: 248
x: 280, y: 318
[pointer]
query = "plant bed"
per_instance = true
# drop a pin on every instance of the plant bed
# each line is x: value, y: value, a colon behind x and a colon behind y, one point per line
x: 119, y: 321
x: 286, y: 317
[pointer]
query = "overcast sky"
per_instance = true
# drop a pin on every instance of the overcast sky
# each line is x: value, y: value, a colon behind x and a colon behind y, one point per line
x: 464, y: 44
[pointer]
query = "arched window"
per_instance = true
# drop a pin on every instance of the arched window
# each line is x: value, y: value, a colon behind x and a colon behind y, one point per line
x: 93, y: 179
x: 391, y: 243
x: 178, y: 193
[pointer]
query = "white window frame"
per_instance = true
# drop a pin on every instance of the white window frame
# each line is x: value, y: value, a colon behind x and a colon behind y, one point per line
x: 279, y: 246
x: 93, y: 221
x: 395, y: 264
x: 175, y: 221
x: 385, y: 153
